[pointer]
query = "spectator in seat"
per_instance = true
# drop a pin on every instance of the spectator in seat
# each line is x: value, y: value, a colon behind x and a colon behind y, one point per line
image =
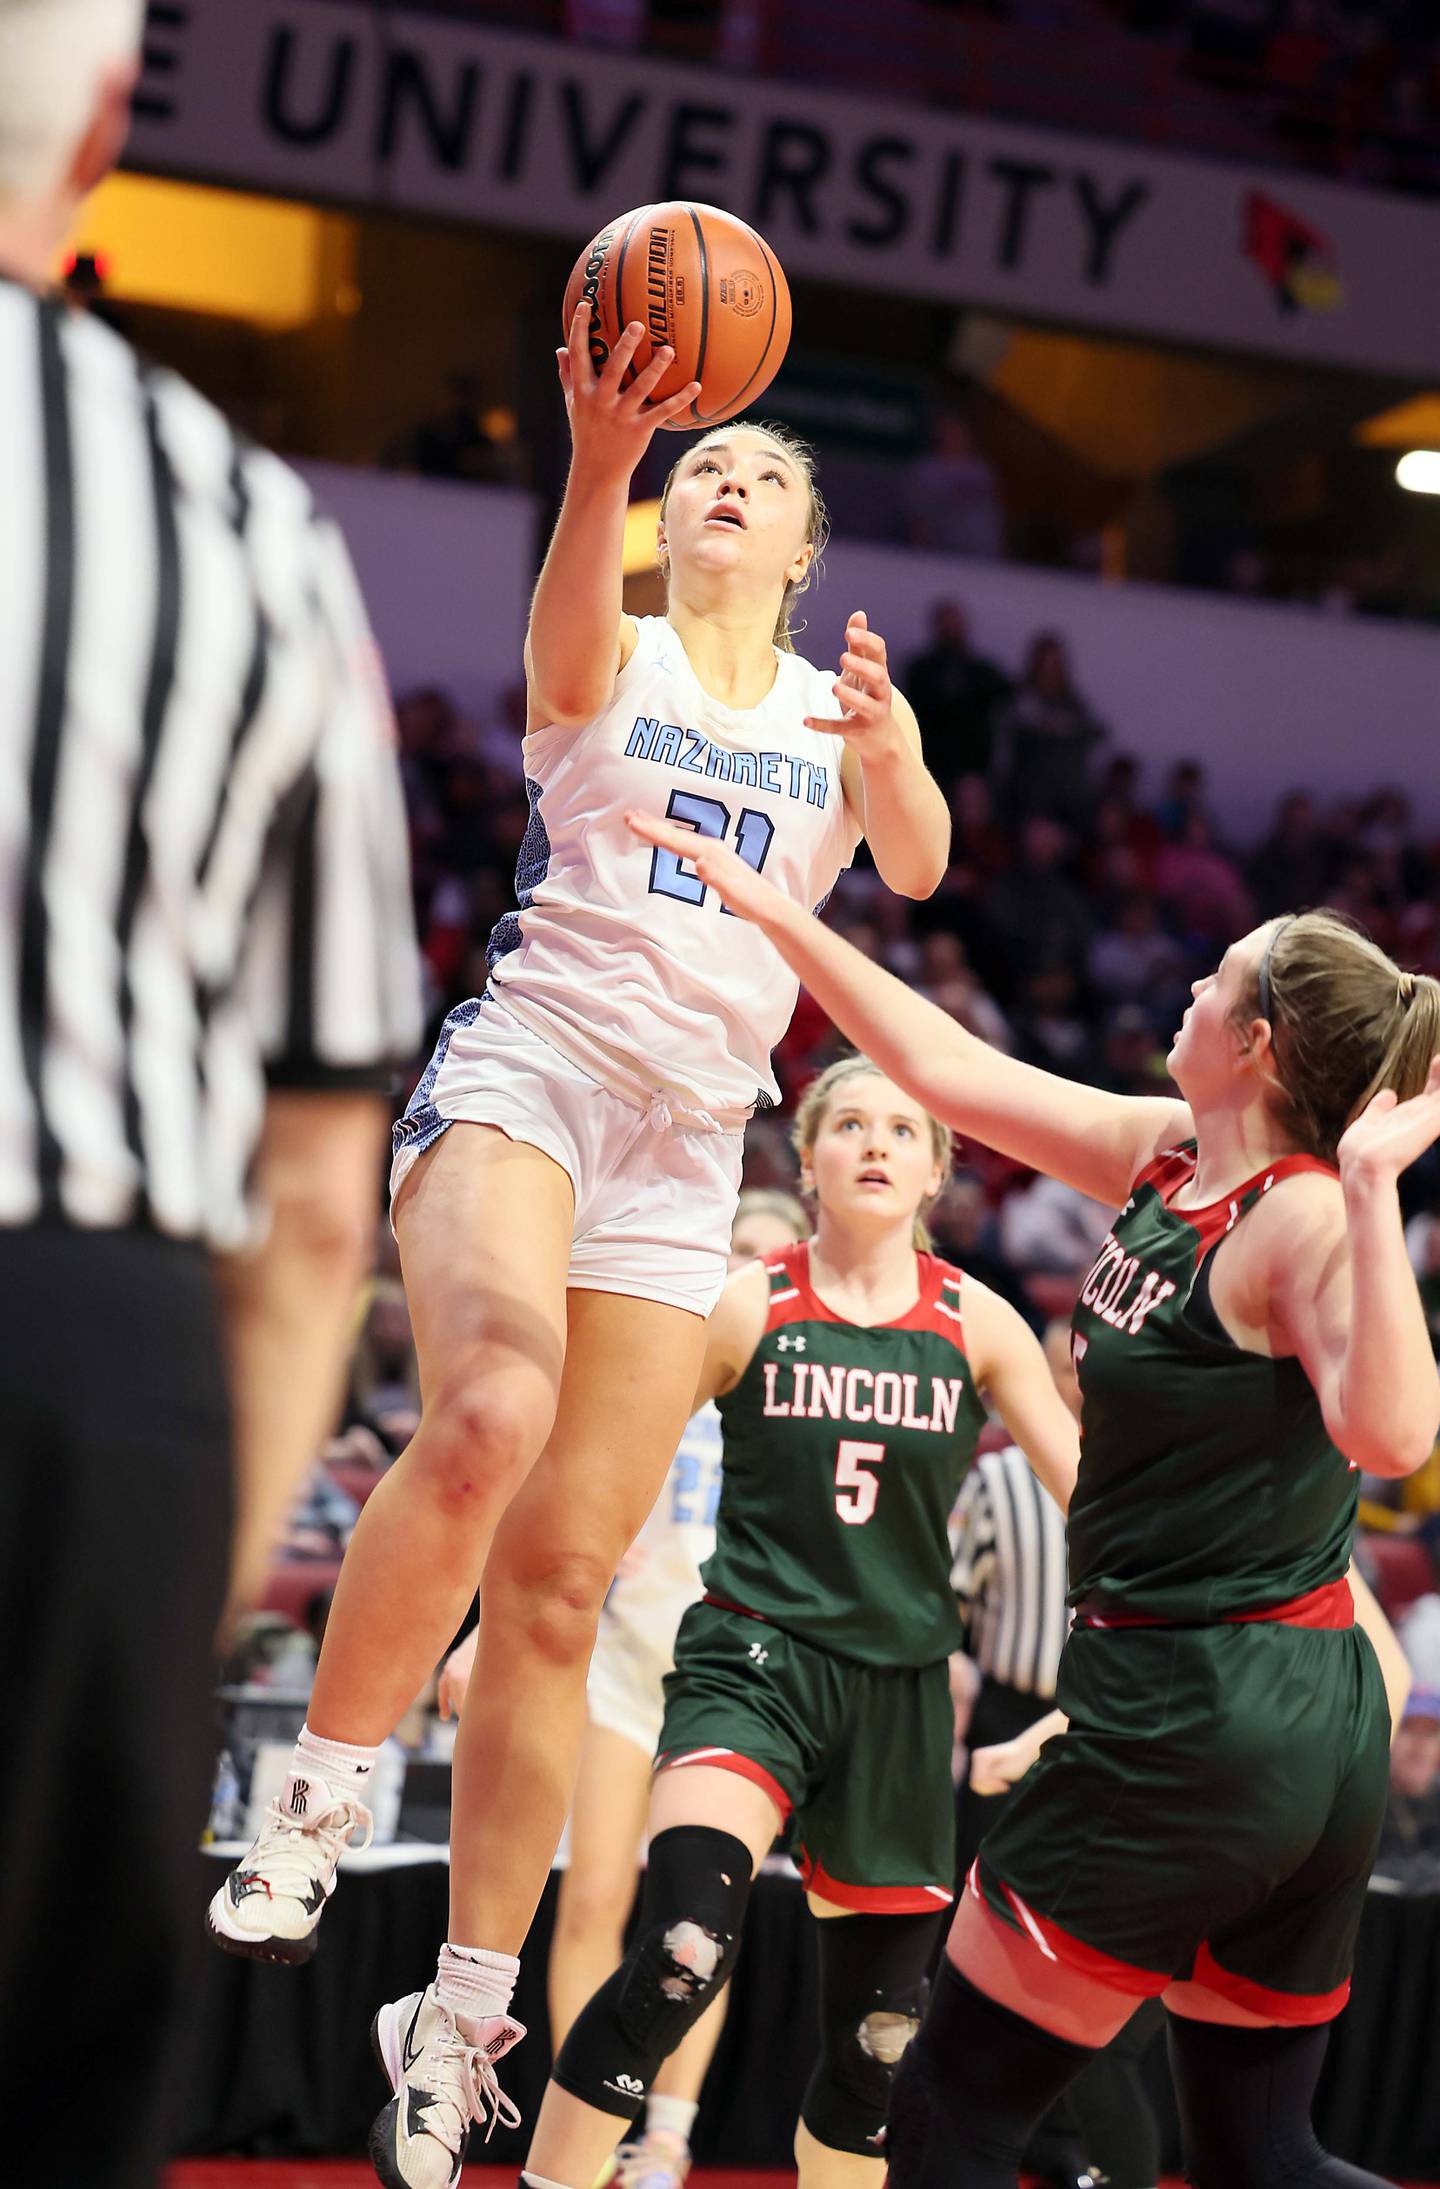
x: 955, y: 693
x: 1183, y: 796
x: 1050, y: 1229
x: 1034, y: 911
x: 946, y: 977
x: 979, y: 841
x: 1046, y: 734
x: 1050, y: 1029
x: 1203, y: 886
x: 1135, y: 960
x: 953, y: 500
x: 1294, y: 864
x: 1132, y: 1058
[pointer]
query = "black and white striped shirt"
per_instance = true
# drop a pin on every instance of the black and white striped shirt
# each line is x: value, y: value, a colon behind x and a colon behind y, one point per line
x: 1009, y: 1573
x: 203, y: 869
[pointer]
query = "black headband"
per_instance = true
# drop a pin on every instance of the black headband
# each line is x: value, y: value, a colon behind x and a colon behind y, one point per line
x: 1263, y: 977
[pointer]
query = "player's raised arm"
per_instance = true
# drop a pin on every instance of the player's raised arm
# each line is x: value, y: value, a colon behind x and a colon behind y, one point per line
x: 576, y: 643
x: 1094, y: 1140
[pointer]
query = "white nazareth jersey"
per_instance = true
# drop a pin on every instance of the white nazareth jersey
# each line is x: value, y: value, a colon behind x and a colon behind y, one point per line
x: 618, y: 955
x: 659, y: 1578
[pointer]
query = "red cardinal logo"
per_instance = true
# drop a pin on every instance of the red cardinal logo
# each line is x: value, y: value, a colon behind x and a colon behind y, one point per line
x: 1295, y: 259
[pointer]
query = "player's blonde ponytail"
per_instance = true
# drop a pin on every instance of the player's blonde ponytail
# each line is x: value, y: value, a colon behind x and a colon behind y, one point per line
x: 1345, y: 1021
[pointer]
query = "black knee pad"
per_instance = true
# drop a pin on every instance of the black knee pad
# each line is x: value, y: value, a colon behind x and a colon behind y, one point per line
x: 873, y: 1991
x: 697, y: 1884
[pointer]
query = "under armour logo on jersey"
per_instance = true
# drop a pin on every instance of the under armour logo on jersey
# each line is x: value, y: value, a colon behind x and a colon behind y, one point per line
x: 758, y: 1653
x: 299, y: 1796
x: 788, y: 1344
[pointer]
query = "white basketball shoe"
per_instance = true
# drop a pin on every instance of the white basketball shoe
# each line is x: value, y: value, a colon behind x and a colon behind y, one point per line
x: 443, y: 2078
x: 659, y: 2159
x: 270, y: 1905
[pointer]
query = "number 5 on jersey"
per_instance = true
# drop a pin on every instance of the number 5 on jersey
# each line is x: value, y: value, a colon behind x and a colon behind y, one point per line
x: 856, y: 1489
x: 671, y: 877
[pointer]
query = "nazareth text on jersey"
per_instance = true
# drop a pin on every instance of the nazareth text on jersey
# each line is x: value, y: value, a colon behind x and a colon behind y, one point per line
x: 845, y: 1448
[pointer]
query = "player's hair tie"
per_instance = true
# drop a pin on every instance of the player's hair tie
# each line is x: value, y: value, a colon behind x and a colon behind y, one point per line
x: 1405, y: 988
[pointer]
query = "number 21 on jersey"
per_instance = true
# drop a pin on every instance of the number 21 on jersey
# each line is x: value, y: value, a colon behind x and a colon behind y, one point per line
x: 857, y: 1490
x: 671, y: 877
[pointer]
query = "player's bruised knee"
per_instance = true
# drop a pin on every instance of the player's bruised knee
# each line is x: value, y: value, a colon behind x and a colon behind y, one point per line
x: 697, y: 1884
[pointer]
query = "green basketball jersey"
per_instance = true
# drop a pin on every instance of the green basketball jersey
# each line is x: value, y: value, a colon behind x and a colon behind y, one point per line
x: 1208, y: 1484
x: 845, y: 1447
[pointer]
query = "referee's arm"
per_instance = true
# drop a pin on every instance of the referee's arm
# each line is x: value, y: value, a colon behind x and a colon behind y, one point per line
x: 332, y: 976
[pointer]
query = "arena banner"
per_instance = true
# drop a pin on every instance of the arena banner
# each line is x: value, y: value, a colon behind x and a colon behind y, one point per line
x: 343, y: 101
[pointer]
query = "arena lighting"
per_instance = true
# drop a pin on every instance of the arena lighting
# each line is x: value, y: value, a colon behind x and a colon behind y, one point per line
x: 1418, y: 471
x: 641, y: 519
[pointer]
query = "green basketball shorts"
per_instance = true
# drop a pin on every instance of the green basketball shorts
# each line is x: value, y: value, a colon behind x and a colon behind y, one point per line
x: 860, y: 1754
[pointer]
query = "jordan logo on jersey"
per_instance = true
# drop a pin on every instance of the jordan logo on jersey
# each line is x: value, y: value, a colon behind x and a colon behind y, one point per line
x: 810, y: 1391
x: 1110, y: 1289
x: 785, y: 775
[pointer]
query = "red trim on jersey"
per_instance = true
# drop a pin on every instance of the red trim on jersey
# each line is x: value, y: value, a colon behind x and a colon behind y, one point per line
x: 936, y: 1308
x: 1175, y: 1167
x: 1327, y: 1609
x: 729, y: 1759
x: 1298, y: 2009
x: 871, y: 1899
x: 1072, y: 1953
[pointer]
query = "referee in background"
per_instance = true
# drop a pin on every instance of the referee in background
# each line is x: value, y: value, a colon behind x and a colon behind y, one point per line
x: 207, y: 975
x: 1009, y: 1577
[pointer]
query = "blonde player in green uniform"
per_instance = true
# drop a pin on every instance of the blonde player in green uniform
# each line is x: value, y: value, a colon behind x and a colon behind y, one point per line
x: 812, y: 1678
x: 1250, y: 1337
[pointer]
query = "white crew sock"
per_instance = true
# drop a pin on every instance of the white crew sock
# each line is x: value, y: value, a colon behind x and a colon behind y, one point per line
x: 539, y: 2181
x: 473, y: 1983
x: 346, y: 1770
x: 670, y: 2117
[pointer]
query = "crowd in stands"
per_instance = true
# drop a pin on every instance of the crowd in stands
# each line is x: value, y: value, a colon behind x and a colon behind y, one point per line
x: 1346, y: 87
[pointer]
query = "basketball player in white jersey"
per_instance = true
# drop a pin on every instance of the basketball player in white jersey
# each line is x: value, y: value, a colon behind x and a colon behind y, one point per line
x: 562, y: 1248
x: 625, y: 1706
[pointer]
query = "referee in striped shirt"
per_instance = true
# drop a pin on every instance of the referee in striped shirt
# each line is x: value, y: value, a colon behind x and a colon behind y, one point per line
x: 207, y: 977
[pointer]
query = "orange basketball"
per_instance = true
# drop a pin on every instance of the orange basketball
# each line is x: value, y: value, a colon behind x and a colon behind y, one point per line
x: 700, y: 280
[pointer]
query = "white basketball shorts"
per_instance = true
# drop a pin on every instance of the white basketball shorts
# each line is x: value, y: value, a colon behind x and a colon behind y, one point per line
x: 654, y: 1201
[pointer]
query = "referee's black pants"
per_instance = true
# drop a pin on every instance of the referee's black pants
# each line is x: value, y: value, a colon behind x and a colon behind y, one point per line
x: 1105, y: 2119
x: 115, y: 1497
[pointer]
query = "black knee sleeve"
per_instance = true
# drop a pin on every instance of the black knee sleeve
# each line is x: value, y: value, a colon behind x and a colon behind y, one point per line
x: 1244, y: 2097
x: 697, y: 1883
x: 872, y: 1997
x: 970, y: 2090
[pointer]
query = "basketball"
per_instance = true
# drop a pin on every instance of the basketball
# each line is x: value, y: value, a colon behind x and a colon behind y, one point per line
x: 700, y: 280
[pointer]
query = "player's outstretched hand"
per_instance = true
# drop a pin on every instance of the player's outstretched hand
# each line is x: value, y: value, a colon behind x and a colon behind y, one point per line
x: 719, y: 868
x: 864, y: 691
x: 1389, y: 1135
x: 455, y: 1675
x: 611, y: 424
